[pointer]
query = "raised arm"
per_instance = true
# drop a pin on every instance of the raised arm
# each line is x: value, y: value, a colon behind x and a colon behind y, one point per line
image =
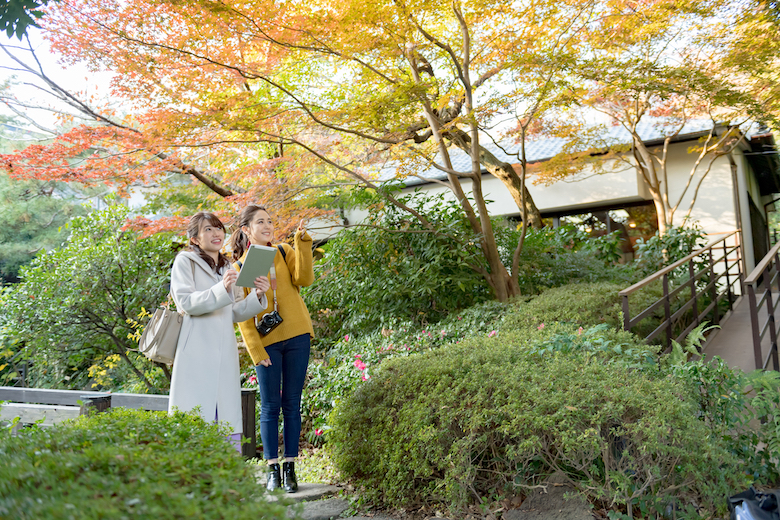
x: 301, y: 263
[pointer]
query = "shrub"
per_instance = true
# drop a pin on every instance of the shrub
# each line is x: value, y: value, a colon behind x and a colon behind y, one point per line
x: 396, y: 267
x: 128, y: 463
x: 555, y: 257
x: 489, y: 416
x: 659, y: 251
x: 354, y: 358
x: 76, y: 305
x: 582, y: 304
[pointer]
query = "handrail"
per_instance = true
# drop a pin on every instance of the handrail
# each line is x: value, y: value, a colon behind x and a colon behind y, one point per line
x: 768, y: 269
x: 680, y: 319
x: 756, y: 273
x: 642, y: 283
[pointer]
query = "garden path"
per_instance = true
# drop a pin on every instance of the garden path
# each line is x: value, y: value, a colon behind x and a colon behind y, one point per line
x: 544, y: 503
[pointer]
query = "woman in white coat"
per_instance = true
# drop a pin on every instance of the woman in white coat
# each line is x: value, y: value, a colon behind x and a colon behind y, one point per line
x: 205, y: 369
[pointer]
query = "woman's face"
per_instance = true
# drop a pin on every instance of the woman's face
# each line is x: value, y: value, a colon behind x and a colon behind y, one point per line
x: 260, y: 229
x: 210, y: 238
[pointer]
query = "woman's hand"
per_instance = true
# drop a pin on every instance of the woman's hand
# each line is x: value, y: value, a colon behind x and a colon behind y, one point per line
x: 302, y: 227
x: 229, y: 279
x: 262, y: 284
x: 265, y: 362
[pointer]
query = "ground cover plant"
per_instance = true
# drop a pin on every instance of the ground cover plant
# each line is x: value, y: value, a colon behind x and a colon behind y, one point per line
x: 128, y: 463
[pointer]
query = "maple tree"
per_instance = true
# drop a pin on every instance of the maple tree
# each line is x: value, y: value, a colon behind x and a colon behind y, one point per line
x: 324, y: 91
x: 751, y: 46
x: 667, y: 73
x: 281, y: 98
x: 94, y: 144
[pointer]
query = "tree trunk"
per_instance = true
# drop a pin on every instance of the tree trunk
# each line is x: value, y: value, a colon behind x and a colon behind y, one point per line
x: 502, y: 171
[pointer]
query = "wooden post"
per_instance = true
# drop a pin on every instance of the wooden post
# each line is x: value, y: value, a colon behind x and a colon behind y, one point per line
x: 248, y: 399
x: 714, y: 290
x: 667, y: 313
x: 94, y: 404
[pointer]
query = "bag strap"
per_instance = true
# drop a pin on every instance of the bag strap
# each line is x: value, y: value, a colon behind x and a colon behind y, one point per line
x: 284, y: 256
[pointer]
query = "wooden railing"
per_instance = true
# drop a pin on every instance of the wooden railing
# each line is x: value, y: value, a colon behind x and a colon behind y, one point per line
x: 763, y: 281
x: 719, y: 261
x: 32, y: 405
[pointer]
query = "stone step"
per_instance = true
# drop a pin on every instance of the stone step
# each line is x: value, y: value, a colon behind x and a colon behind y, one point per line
x: 307, y: 492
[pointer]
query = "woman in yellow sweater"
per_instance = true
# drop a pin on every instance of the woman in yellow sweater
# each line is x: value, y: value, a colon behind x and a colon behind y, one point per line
x: 281, y: 355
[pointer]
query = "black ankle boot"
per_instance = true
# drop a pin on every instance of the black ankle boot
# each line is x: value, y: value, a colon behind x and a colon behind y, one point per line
x: 274, y: 480
x: 288, y: 475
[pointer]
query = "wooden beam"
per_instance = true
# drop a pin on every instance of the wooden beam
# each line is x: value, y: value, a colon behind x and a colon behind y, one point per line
x: 72, y: 398
x: 31, y: 413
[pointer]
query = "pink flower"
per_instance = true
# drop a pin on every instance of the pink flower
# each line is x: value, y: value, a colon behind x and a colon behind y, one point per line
x: 579, y: 331
x: 360, y: 365
x: 540, y: 327
x: 443, y: 332
x: 365, y: 377
x: 460, y: 318
x: 492, y: 333
x: 346, y: 338
x: 318, y: 432
x: 253, y: 380
x: 358, y: 355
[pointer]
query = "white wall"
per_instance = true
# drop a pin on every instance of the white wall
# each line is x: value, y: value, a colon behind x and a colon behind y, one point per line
x: 714, y: 208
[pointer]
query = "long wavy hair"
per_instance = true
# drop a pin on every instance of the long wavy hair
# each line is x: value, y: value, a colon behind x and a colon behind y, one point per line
x: 193, y: 228
x: 239, y: 241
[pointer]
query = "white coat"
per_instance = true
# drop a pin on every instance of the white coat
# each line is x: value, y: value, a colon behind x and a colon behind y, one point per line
x: 205, y: 368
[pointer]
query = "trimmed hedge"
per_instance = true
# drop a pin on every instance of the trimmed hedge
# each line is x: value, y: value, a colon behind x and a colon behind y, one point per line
x: 581, y: 304
x: 128, y: 463
x: 488, y: 416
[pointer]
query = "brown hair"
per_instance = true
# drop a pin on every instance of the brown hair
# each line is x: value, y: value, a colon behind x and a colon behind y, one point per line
x: 193, y: 228
x: 239, y: 241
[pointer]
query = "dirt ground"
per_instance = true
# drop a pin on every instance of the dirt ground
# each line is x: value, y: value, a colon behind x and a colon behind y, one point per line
x: 548, y: 502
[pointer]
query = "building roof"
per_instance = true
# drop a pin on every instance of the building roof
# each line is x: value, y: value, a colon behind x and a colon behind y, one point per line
x: 544, y: 149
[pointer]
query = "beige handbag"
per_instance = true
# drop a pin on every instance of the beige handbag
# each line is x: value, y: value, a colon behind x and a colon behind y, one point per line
x: 161, y: 335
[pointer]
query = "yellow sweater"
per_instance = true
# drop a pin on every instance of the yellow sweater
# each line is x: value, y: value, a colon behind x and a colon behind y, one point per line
x: 296, y: 271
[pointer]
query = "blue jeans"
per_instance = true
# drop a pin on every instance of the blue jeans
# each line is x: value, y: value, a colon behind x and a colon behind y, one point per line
x: 281, y: 386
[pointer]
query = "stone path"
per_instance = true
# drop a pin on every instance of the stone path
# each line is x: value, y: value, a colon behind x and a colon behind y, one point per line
x: 316, y: 502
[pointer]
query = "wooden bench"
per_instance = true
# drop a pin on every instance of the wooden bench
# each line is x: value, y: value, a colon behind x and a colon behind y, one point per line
x: 53, y: 406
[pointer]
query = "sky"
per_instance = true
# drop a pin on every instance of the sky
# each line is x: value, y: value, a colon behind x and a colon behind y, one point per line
x: 72, y: 78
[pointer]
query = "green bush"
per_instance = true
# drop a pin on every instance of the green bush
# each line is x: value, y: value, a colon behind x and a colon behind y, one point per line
x: 76, y: 306
x: 582, y: 305
x: 488, y: 416
x: 397, y: 267
x: 354, y: 358
x: 660, y: 251
x: 128, y: 463
x: 555, y: 257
